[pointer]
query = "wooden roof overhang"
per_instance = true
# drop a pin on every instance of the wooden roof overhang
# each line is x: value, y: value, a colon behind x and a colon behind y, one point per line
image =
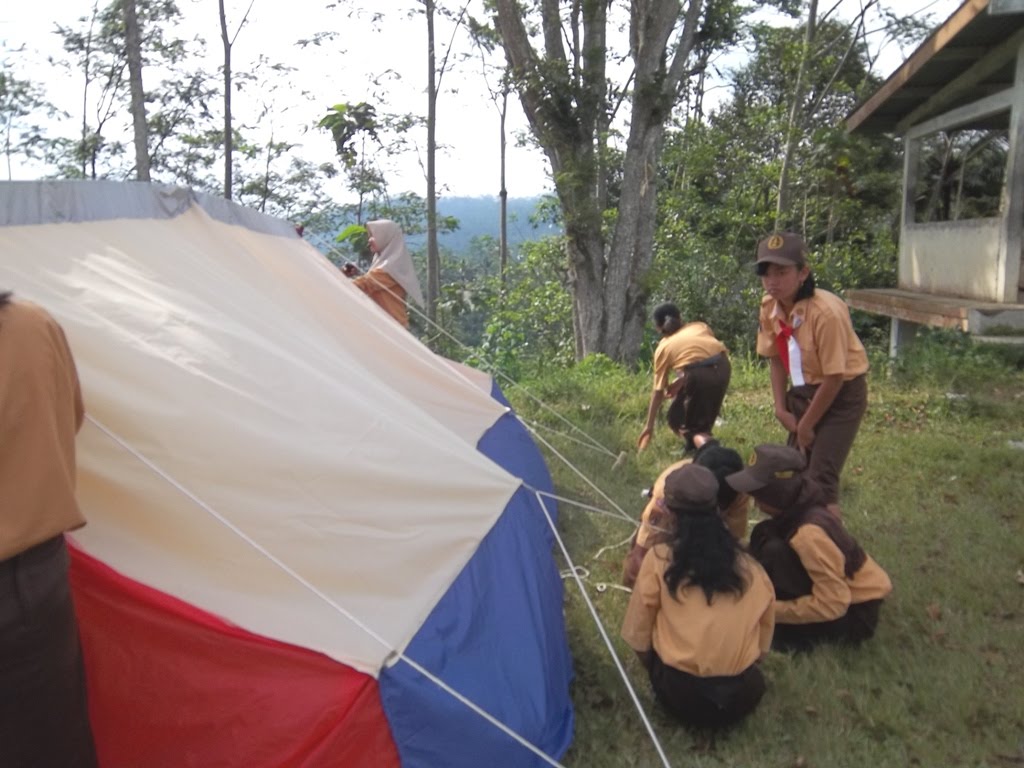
x: 970, y: 56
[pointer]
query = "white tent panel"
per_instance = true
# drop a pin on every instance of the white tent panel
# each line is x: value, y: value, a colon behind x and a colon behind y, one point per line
x: 265, y: 390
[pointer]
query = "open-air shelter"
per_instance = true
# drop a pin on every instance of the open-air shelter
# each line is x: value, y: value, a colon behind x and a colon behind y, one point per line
x: 959, y: 270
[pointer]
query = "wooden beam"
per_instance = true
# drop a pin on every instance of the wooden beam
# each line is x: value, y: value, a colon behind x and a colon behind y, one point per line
x: 990, y: 105
x: 931, y: 311
x: 938, y: 40
x: 1003, y: 7
x: 966, y: 82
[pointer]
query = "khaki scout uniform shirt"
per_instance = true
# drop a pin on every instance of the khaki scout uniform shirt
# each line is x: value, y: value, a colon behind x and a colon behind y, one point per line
x: 690, y: 344
x: 385, y: 290
x: 832, y: 593
x: 40, y: 412
x: 721, y: 639
x: 823, y: 342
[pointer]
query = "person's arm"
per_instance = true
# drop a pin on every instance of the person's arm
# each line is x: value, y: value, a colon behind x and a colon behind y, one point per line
x: 766, y: 625
x: 778, y: 378
x: 823, y: 398
x: 657, y: 398
x: 830, y: 594
x: 644, y: 602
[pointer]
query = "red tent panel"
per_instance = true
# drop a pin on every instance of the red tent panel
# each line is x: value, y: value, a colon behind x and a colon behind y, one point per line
x: 171, y: 686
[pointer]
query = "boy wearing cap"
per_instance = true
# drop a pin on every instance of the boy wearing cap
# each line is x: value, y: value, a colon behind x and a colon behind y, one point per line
x: 827, y: 587
x: 702, y: 373
x: 700, y: 616
x: 808, y: 337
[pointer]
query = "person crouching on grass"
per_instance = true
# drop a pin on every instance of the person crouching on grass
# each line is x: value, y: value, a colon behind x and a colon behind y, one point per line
x: 827, y: 588
x: 701, y: 614
x: 656, y: 522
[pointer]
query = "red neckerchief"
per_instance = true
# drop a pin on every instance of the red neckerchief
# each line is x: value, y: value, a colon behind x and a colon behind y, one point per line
x: 782, y: 343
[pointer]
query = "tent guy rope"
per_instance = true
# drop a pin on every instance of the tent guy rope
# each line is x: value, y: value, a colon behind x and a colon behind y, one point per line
x: 395, y: 654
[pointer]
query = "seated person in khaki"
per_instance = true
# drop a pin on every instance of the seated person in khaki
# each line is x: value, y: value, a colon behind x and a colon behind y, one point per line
x: 701, y: 614
x: 656, y: 521
x: 828, y: 588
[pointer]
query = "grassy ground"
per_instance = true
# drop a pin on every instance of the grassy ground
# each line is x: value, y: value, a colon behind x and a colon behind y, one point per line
x: 934, y: 490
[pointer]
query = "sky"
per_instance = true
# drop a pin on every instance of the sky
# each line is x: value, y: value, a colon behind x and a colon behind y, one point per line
x: 343, y: 70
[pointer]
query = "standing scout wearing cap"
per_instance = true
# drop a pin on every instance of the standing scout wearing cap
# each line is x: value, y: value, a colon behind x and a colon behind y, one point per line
x: 657, y: 524
x: 700, y: 616
x: 827, y: 587
x: 702, y: 370
x: 807, y: 335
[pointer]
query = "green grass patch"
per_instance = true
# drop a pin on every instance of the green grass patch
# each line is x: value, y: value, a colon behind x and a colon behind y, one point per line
x: 934, y: 490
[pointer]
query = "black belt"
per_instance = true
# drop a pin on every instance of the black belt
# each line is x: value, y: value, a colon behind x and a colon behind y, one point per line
x: 713, y: 360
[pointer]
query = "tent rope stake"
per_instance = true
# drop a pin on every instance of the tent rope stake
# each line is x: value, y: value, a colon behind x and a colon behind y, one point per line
x: 398, y: 655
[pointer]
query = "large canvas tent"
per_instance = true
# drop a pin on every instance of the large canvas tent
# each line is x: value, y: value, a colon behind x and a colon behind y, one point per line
x: 311, y: 541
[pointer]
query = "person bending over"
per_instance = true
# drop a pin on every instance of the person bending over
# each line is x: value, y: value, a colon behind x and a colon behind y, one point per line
x: 702, y: 371
x: 701, y: 614
x: 808, y: 337
x: 828, y: 589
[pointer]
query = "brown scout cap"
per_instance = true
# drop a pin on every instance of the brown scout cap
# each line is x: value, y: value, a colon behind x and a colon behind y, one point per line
x: 782, y: 248
x: 691, y: 486
x: 768, y: 464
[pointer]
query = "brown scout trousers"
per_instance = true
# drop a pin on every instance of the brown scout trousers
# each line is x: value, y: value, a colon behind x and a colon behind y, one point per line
x: 44, y: 719
x: 834, y: 434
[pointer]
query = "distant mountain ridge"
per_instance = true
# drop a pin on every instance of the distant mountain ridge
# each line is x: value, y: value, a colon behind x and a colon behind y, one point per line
x: 480, y: 216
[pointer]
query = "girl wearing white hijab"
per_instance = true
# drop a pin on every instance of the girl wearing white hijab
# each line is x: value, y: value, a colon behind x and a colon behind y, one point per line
x: 391, y: 277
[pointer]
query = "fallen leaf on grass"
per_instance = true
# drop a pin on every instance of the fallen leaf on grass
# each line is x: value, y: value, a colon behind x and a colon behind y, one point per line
x: 934, y: 611
x: 845, y: 696
x: 1020, y: 576
x: 812, y: 711
x: 800, y: 762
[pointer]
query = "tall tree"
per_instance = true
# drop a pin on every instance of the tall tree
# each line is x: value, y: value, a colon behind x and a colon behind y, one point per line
x: 227, y: 41
x: 433, y: 256
x: 569, y: 101
x: 133, y: 49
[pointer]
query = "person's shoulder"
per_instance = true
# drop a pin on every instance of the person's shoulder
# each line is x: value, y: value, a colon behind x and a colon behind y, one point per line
x: 828, y: 304
x: 24, y: 312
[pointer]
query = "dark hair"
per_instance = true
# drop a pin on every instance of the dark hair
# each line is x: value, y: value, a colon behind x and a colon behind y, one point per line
x: 5, y: 298
x: 704, y: 554
x: 668, y: 318
x: 806, y: 289
x: 722, y: 462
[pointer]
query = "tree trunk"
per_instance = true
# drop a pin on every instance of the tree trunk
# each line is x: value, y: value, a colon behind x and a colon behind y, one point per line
x: 133, y: 44
x: 228, y: 134
x: 792, y: 127
x: 433, y: 257
x: 566, y: 101
x: 503, y: 229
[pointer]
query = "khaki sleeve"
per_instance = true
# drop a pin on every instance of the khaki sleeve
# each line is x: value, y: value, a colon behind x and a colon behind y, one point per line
x: 766, y: 333
x: 766, y: 625
x: 72, y: 372
x: 638, y: 624
x: 830, y: 594
x: 367, y: 284
x: 661, y: 367
x: 831, y: 343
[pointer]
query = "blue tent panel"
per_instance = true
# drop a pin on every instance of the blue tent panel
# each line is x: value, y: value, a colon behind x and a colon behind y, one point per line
x: 497, y: 636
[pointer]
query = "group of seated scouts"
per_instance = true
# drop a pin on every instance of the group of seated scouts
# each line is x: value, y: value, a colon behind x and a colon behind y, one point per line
x: 705, y: 610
